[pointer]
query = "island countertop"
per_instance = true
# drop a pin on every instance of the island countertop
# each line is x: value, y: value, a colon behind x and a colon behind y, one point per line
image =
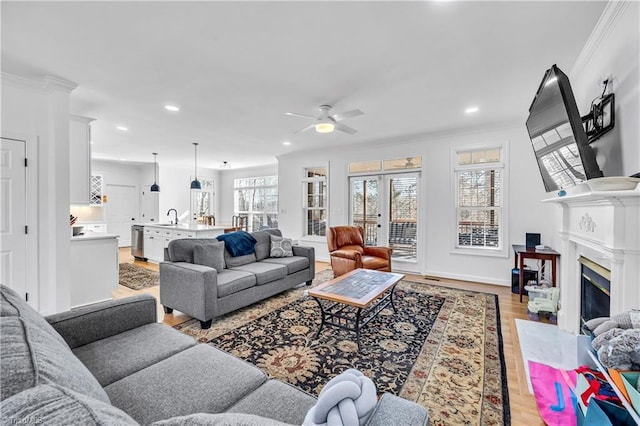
x: 184, y: 226
x: 93, y: 236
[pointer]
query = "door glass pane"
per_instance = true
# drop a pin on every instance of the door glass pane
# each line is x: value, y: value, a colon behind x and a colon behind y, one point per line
x: 403, y: 217
x: 403, y: 163
x: 365, y: 166
x: 364, y: 207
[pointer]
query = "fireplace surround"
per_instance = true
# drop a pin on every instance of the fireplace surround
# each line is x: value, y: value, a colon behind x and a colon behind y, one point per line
x: 603, y: 227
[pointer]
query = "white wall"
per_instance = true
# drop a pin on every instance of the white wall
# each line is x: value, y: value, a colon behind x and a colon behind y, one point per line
x: 175, y: 192
x: 612, y: 51
x: 437, y: 214
x: 225, y: 188
x: 139, y: 176
x: 38, y: 111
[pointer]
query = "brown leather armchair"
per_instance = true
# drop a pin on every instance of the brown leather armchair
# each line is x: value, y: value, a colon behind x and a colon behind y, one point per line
x: 348, y: 252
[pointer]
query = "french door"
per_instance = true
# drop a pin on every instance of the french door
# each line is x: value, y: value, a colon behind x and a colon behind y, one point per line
x: 386, y: 206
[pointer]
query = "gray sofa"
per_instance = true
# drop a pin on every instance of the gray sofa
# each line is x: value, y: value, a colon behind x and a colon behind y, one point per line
x: 112, y: 364
x: 210, y: 282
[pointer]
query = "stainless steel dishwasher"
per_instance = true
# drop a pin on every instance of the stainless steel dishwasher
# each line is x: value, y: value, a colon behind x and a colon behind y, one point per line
x: 137, y: 241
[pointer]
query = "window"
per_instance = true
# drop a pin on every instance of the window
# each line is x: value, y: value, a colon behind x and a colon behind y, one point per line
x: 479, y: 198
x: 257, y: 200
x: 315, y: 201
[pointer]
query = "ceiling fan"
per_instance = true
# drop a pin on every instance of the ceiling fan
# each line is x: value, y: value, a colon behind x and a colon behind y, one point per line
x: 327, y: 122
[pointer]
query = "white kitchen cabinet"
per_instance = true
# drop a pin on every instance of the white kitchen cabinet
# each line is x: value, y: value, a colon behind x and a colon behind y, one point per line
x: 157, y: 237
x: 95, y: 227
x: 96, y: 187
x: 79, y: 159
x: 94, y: 268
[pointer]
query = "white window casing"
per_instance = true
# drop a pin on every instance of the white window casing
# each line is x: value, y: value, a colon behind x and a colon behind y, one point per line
x: 479, y: 188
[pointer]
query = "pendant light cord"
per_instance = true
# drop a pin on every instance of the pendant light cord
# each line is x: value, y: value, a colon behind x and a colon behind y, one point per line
x: 196, y: 160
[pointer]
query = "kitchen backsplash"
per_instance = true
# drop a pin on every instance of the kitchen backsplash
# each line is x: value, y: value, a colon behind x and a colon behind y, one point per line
x: 88, y: 213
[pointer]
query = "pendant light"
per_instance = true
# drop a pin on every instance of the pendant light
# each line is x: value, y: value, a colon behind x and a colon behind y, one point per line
x: 155, y: 187
x: 195, y: 183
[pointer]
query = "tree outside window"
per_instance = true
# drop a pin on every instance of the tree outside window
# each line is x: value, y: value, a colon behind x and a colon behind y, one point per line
x: 257, y: 200
x: 315, y: 201
x: 479, y: 204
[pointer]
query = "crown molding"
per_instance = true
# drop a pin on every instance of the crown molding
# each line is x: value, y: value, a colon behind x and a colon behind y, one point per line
x: 605, y: 25
x: 51, y: 83
x: 19, y: 81
x: 45, y: 84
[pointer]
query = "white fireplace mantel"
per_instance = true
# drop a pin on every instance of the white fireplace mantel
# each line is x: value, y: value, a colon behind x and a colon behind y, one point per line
x: 603, y: 226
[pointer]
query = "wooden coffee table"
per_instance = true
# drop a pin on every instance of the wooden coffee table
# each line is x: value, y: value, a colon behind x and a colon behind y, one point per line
x: 352, y: 300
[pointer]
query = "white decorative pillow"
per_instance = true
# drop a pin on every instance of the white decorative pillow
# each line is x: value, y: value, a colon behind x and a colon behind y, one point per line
x: 281, y: 247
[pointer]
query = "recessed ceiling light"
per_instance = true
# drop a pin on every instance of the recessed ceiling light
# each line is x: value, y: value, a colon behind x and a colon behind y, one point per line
x: 91, y: 142
x: 124, y: 129
x: 171, y: 108
x: 471, y: 110
x: 123, y: 159
x: 286, y: 143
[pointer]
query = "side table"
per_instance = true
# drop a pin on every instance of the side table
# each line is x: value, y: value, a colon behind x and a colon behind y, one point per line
x: 522, y: 252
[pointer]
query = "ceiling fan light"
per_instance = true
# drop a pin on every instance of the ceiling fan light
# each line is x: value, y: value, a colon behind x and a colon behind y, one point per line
x: 325, y: 127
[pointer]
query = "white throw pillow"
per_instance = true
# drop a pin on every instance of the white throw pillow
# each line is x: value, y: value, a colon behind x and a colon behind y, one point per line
x: 281, y: 247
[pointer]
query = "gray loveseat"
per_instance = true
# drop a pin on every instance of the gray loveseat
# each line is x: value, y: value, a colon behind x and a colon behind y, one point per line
x: 200, y: 277
x: 112, y: 364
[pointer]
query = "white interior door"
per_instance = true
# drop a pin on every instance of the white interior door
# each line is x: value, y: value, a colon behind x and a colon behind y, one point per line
x: 122, y: 210
x: 13, y: 209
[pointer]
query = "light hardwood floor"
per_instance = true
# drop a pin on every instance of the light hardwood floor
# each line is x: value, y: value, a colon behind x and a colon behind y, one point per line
x: 522, y: 403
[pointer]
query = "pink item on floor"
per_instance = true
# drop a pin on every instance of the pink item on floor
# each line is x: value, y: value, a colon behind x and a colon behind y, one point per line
x: 554, y: 390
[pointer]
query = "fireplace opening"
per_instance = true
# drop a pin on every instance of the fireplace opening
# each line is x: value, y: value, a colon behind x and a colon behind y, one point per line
x: 595, y: 286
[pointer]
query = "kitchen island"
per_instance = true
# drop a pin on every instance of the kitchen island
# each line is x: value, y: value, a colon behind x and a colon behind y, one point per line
x: 94, y: 267
x: 158, y: 235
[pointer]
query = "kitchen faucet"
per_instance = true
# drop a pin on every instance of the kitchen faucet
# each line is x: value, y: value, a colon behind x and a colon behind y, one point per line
x: 176, y: 212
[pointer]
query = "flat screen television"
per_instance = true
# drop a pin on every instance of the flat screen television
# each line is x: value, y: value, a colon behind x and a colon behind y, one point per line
x: 559, y: 140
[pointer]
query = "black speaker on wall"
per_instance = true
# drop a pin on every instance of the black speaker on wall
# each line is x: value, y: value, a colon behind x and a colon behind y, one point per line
x: 532, y: 240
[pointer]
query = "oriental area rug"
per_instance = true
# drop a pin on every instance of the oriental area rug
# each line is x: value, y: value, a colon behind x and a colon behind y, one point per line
x: 442, y: 349
x: 137, y: 277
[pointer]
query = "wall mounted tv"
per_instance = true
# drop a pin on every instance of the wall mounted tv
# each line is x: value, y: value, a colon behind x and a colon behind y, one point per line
x: 559, y: 140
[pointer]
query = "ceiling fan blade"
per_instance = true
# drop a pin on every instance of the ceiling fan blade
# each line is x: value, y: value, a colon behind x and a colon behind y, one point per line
x: 295, y: 114
x: 348, y: 114
x: 304, y: 129
x: 345, y: 128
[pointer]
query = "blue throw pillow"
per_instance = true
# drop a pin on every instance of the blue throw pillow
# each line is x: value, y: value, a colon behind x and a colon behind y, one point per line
x: 238, y: 243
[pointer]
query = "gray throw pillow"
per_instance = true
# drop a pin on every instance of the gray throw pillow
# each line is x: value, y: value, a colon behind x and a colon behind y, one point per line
x: 281, y: 247
x: 211, y: 255
x: 57, y: 405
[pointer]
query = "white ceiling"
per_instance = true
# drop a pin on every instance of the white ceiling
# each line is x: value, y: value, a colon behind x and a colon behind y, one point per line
x: 235, y: 68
